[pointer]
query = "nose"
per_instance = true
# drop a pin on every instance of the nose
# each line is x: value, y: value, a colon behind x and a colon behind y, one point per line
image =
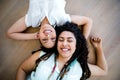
x: 64, y: 43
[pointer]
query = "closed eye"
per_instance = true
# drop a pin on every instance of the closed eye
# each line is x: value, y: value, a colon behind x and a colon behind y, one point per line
x: 70, y: 39
x: 45, y: 40
x: 53, y: 39
x: 61, y: 39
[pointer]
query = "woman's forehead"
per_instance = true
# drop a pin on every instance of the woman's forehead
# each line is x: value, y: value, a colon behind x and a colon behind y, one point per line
x: 67, y: 34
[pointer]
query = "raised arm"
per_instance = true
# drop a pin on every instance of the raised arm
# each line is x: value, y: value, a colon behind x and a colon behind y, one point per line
x: 15, y: 31
x: 27, y: 66
x: 100, y: 68
x: 85, y: 21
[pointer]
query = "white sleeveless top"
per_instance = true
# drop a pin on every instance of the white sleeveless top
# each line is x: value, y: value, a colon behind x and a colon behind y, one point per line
x: 54, y: 10
x: 44, y: 69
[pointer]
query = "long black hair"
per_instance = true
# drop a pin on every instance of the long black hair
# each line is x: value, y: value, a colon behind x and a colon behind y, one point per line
x: 48, y: 53
x: 81, y: 52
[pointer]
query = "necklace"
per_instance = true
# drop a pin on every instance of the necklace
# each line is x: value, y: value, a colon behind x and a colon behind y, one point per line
x: 52, y: 71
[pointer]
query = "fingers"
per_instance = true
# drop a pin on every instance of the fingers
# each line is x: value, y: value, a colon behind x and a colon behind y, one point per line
x: 37, y: 35
x: 95, y: 39
x: 96, y: 42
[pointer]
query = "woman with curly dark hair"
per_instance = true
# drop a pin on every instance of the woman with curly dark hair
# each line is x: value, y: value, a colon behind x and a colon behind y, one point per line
x: 68, y: 62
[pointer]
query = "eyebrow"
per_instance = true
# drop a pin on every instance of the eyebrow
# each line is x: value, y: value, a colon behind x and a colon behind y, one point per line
x: 70, y: 38
x: 67, y: 37
x: 46, y: 41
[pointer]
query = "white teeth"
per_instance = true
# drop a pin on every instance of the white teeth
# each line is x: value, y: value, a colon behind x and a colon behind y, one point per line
x: 47, y: 31
x: 64, y: 49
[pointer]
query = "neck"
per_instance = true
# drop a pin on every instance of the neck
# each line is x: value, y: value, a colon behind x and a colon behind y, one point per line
x: 61, y: 62
x: 45, y: 21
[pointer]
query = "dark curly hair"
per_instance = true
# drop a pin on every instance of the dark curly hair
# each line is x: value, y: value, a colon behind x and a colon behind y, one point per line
x: 81, y: 52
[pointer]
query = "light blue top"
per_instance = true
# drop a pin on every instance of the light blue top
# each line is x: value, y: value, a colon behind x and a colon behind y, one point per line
x: 44, y: 69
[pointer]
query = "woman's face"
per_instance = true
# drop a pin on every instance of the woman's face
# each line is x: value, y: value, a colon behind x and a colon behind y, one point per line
x: 47, y: 36
x: 66, y: 44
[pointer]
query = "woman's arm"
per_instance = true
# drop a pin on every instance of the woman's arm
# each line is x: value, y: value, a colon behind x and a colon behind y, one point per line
x: 15, y: 31
x: 27, y: 66
x: 100, y: 68
x: 85, y: 21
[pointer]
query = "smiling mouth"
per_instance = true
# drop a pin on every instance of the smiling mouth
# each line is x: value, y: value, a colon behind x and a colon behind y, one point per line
x: 47, y: 31
x: 65, y: 49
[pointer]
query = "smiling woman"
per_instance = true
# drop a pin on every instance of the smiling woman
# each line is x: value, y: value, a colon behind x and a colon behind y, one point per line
x: 46, y: 13
x: 68, y: 62
x: 66, y: 44
x: 104, y: 13
x: 47, y: 36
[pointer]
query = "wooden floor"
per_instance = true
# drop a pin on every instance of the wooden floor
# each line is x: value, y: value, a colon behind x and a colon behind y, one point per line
x: 106, y: 18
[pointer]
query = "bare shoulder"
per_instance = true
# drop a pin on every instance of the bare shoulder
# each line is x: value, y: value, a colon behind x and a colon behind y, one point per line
x: 33, y: 57
x: 36, y: 55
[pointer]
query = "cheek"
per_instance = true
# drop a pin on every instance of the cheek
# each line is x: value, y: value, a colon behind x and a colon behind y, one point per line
x: 58, y: 45
x: 54, y: 35
x: 41, y: 36
x: 73, y: 46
